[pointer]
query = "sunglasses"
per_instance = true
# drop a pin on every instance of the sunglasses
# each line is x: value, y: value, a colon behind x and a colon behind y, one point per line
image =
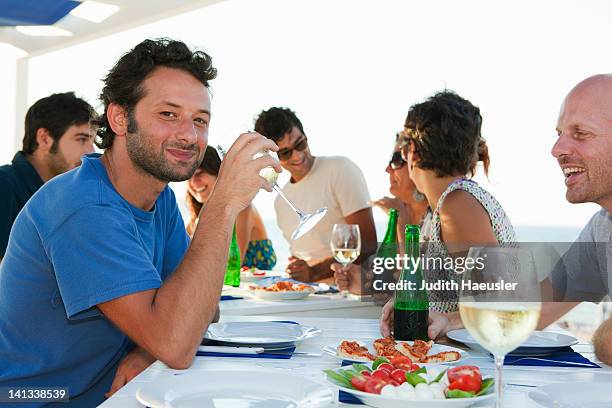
x: 285, y: 154
x: 397, y: 162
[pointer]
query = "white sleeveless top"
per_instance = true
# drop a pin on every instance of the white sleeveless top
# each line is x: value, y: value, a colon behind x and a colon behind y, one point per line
x: 447, y: 301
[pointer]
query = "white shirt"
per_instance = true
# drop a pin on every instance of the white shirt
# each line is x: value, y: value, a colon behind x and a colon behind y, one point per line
x: 333, y: 182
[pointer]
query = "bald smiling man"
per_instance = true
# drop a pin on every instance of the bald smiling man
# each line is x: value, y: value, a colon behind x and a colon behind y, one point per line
x: 584, y: 153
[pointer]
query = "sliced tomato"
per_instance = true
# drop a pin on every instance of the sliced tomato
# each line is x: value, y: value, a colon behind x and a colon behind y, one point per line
x: 456, y: 372
x: 359, y: 382
x: 366, y: 373
x: 374, y: 385
x: 414, y: 367
x: 394, y: 383
x: 464, y: 378
x: 386, y: 366
x: 398, y: 375
x: 381, y: 374
x: 401, y: 362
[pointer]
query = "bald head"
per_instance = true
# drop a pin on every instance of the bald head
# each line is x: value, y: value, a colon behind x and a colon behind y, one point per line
x: 595, y: 90
x: 584, y: 147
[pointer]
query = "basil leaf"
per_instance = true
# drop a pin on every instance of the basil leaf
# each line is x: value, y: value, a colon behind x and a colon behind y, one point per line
x: 459, y: 394
x: 379, y: 361
x: 486, y: 385
x: 338, y: 379
x: 414, y: 378
x: 360, y: 367
x: 348, y: 374
x: 421, y: 370
x: 438, y: 377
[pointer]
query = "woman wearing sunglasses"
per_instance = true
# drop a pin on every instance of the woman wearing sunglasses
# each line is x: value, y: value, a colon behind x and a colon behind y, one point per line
x: 255, y: 248
x: 407, y: 200
x: 442, y: 146
x: 410, y: 204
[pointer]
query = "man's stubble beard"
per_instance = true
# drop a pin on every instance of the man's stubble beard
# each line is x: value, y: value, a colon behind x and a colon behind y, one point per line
x: 153, y: 162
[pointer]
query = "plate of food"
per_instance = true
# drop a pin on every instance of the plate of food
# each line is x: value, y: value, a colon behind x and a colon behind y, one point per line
x: 249, y: 275
x: 418, y: 351
x: 218, y: 389
x: 397, y: 383
x: 281, y: 290
x: 540, y: 343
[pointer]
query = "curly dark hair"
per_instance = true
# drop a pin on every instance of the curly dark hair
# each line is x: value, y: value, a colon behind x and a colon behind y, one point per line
x: 124, y: 83
x: 445, y: 130
x: 211, y: 165
x: 56, y: 113
x: 276, y: 122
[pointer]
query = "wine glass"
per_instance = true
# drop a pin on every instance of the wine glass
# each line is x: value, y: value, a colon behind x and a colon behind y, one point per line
x: 345, y: 244
x: 500, y: 318
x: 306, y: 220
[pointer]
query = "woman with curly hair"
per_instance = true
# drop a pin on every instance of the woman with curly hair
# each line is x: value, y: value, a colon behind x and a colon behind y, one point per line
x: 442, y: 146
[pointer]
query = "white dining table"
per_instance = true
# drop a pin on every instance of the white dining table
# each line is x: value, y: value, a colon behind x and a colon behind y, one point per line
x: 519, y: 379
x: 335, y: 305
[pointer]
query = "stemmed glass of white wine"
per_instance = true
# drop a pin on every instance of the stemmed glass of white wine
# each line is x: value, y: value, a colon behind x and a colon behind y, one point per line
x: 500, y: 318
x: 345, y: 244
x: 306, y: 220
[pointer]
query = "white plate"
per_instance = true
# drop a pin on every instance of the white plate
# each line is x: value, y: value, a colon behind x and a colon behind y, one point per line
x: 540, y: 343
x: 284, y: 295
x: 259, y: 333
x: 572, y: 395
x: 330, y: 349
x: 378, y: 401
x: 248, y: 277
x: 230, y: 389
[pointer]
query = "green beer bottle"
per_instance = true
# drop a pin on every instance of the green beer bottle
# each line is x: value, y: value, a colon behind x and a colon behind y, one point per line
x: 411, y: 307
x: 232, y: 272
x: 388, y: 247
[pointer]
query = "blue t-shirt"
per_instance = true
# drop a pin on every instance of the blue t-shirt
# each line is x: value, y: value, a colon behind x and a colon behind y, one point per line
x: 75, y: 244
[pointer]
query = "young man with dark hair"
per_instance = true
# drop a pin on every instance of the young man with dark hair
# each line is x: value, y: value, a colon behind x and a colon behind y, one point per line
x: 100, y: 278
x: 57, y: 134
x: 333, y: 182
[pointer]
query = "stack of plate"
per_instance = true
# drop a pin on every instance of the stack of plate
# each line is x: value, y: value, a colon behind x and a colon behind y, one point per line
x: 269, y: 335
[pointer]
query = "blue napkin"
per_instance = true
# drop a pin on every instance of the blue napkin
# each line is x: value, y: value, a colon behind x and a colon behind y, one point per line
x: 230, y: 297
x: 559, y: 357
x: 285, y: 354
x: 347, y: 398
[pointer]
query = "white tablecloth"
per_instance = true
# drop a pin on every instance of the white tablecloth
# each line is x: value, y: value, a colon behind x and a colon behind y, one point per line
x: 519, y: 380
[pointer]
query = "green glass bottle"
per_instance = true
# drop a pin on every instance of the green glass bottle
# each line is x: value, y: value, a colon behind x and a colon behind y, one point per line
x: 388, y: 246
x: 232, y: 272
x: 411, y: 305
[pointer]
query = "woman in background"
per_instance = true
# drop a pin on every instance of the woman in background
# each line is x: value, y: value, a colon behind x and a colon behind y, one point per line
x: 255, y: 248
x: 411, y: 206
x: 442, y: 146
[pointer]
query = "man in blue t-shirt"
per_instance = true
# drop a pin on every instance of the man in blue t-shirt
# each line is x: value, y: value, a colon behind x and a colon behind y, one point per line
x: 99, y: 278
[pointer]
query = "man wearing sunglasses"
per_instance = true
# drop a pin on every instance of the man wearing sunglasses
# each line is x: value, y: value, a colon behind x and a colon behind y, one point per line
x: 332, y: 182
